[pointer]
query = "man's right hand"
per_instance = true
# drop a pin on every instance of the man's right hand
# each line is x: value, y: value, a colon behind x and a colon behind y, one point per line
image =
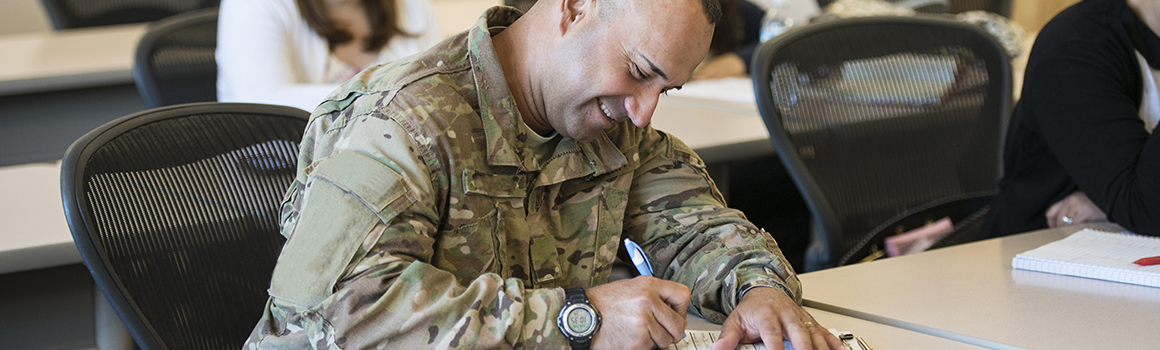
x: 640, y: 313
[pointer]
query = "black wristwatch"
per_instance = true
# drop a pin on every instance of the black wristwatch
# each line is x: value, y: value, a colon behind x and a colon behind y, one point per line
x: 578, y: 319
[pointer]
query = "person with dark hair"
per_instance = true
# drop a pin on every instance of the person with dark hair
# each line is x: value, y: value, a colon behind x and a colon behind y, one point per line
x: 1081, y: 145
x: 475, y: 196
x: 739, y: 32
x: 294, y: 52
x: 734, y: 41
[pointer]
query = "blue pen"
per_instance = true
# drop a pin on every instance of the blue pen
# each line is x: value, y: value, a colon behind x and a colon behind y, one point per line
x: 638, y: 258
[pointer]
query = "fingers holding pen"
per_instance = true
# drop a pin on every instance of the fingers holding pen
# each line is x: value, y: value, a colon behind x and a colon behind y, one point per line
x: 640, y: 313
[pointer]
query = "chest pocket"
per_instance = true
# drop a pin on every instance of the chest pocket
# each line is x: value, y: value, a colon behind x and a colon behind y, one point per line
x: 592, y: 219
x: 498, y: 240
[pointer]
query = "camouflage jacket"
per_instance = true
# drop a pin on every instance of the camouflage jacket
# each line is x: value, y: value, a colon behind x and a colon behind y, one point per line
x: 419, y: 219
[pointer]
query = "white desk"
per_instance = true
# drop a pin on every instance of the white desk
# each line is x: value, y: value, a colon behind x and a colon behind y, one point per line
x: 877, y: 336
x: 42, y: 285
x: 34, y: 233
x: 71, y: 59
x: 970, y: 293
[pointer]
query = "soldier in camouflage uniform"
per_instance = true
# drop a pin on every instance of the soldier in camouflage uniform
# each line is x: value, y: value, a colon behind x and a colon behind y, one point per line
x: 429, y: 211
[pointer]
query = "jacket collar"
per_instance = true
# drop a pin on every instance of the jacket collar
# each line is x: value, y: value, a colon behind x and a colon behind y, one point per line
x: 500, y: 117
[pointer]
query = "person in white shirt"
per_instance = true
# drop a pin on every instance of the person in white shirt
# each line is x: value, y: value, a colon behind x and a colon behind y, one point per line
x: 294, y: 52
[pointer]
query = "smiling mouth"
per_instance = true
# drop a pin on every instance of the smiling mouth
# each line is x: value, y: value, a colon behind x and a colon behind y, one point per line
x: 604, y: 108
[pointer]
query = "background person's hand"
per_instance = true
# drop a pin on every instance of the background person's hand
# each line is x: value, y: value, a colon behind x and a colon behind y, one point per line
x: 639, y: 313
x: 1077, y: 207
x: 722, y: 66
x: 767, y: 315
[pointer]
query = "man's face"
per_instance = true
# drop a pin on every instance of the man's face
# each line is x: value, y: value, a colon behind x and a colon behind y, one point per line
x: 614, y: 69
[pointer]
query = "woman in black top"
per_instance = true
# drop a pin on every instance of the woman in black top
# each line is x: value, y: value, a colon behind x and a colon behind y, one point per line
x: 1078, y: 148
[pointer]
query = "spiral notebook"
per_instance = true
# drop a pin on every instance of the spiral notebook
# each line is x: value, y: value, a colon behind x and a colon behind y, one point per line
x: 703, y: 340
x: 1096, y: 254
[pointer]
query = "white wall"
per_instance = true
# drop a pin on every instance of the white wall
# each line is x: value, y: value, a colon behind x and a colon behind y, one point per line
x: 23, y: 16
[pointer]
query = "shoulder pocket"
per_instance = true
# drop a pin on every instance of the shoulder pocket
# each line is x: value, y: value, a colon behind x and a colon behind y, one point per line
x: 345, y: 196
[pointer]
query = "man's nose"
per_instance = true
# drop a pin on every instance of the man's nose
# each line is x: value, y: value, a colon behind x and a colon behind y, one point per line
x: 641, y: 107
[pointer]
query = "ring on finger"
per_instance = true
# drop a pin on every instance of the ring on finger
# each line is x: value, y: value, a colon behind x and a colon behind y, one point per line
x: 808, y: 324
x: 1066, y: 219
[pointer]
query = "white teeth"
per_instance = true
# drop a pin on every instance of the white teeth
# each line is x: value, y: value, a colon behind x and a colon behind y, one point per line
x: 605, y: 109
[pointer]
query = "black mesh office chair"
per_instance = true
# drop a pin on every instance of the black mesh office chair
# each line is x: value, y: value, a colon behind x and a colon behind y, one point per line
x: 884, y: 124
x: 1001, y: 7
x: 67, y: 14
x: 175, y: 60
x: 175, y: 212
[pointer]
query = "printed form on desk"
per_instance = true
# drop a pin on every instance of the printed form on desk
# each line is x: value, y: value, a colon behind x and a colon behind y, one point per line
x: 703, y: 340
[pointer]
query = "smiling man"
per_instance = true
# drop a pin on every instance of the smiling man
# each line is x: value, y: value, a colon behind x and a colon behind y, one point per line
x: 474, y: 196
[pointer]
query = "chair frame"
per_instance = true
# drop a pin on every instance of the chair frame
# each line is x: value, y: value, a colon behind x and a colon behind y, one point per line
x: 826, y: 233
x: 62, y: 17
x: 78, y: 210
x: 142, y: 74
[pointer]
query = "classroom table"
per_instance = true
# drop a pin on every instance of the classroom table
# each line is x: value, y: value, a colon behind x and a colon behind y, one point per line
x: 47, y: 298
x: 65, y: 60
x: 970, y: 293
x: 34, y: 234
x: 55, y: 86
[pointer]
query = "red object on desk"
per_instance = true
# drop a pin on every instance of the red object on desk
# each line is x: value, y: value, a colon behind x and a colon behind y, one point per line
x: 1152, y: 260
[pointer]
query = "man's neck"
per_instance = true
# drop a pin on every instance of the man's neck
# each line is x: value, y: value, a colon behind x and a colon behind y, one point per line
x: 515, y: 50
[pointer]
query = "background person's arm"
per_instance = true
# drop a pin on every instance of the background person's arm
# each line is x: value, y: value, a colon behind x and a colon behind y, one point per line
x: 1090, y: 121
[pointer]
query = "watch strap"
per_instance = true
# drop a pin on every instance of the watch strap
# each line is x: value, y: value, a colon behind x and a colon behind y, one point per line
x: 578, y: 296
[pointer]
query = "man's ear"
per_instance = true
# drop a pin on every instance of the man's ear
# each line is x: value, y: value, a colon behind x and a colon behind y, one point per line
x: 573, y: 12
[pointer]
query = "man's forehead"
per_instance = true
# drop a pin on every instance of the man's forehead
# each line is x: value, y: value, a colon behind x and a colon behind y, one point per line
x: 667, y: 40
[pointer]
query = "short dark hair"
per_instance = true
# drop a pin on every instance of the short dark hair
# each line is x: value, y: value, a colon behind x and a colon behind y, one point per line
x: 712, y: 10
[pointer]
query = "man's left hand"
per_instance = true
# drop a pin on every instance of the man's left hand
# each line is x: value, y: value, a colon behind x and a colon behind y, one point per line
x: 767, y: 315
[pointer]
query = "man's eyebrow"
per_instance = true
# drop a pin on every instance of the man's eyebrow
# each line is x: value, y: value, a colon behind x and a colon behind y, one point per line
x: 654, y: 67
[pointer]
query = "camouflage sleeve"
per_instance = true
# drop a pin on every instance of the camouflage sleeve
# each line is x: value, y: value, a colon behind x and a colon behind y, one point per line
x: 356, y: 272
x: 393, y: 298
x: 677, y: 212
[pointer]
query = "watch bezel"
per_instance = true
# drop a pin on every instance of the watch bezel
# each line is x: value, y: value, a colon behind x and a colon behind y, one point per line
x: 562, y: 320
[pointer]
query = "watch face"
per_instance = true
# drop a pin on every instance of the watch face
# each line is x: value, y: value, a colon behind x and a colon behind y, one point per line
x: 580, y: 320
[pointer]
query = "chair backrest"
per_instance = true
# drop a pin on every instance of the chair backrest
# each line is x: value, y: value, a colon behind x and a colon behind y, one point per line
x: 175, y: 61
x: 875, y: 117
x: 175, y: 212
x: 67, y: 14
x: 1001, y: 7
